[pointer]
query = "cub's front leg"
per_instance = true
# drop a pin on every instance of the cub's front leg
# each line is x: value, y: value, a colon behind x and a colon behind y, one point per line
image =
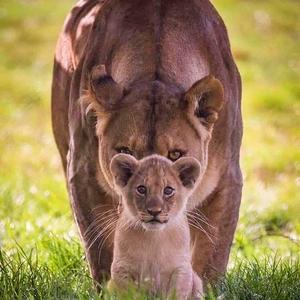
x: 185, y: 284
x: 121, y: 278
x: 197, y: 290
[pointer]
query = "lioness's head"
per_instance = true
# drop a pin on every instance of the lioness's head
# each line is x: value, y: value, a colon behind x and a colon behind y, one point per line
x: 154, y: 190
x: 153, y: 118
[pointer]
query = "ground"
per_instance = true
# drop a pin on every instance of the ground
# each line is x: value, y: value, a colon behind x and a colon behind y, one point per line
x: 40, y: 256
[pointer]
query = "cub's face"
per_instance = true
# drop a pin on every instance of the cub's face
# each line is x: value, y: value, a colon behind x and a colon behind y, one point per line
x: 154, y: 190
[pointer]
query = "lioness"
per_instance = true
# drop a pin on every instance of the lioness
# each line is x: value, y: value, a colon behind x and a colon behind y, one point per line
x: 152, y: 238
x: 149, y: 77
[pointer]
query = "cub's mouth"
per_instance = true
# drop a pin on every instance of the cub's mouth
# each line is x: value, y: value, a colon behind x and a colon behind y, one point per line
x: 155, y: 220
x: 154, y: 224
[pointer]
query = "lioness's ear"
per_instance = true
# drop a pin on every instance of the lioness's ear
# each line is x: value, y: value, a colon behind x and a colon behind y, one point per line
x: 188, y: 169
x: 104, y: 90
x: 122, y: 168
x: 205, y: 99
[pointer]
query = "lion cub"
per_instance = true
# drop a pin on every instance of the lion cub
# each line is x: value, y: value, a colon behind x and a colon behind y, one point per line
x: 152, y: 237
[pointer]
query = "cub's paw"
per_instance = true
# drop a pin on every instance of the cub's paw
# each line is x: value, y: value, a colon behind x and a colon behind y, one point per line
x: 197, y: 291
x: 112, y: 286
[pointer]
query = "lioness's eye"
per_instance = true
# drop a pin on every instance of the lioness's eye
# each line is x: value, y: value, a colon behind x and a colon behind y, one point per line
x: 174, y: 155
x: 168, y: 191
x: 124, y: 150
x: 141, y: 190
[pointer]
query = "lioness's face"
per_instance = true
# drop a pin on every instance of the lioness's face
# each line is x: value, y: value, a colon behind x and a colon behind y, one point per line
x: 154, y: 118
x: 154, y: 190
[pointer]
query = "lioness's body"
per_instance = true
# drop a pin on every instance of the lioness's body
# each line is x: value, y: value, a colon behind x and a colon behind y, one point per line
x: 172, y: 42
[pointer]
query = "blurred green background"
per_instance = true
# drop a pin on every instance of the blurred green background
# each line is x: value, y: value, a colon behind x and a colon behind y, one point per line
x: 34, y: 209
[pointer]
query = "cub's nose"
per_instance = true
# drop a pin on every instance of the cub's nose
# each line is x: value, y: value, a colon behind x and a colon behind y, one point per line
x: 155, y: 211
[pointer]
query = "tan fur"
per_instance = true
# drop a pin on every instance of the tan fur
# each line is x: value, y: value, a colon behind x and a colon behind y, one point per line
x: 156, y: 76
x: 152, y: 254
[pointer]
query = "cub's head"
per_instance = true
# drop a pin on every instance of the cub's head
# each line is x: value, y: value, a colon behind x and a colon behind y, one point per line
x: 152, y: 117
x: 154, y: 190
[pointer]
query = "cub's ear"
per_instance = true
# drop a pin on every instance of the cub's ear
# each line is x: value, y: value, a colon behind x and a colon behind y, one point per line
x: 188, y: 169
x: 205, y: 100
x: 105, y: 92
x: 122, y: 167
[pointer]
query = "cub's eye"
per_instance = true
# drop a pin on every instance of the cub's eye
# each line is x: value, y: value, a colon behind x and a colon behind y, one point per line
x: 175, y: 154
x: 124, y: 150
x: 141, y: 190
x: 168, y: 191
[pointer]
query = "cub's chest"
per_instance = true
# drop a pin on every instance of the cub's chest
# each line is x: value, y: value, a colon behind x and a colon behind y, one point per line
x: 153, y: 268
x: 154, y: 256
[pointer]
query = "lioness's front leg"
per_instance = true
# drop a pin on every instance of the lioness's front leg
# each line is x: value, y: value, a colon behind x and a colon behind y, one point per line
x: 93, y: 227
x: 84, y: 190
x: 211, y: 248
x: 95, y: 230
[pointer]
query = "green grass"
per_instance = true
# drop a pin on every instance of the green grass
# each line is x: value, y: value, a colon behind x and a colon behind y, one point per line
x: 61, y: 273
x: 41, y: 257
x: 271, y: 278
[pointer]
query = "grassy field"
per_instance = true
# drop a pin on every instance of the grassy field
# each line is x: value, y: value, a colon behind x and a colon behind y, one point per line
x: 40, y: 255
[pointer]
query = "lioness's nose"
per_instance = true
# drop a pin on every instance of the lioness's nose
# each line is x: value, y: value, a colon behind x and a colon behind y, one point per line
x: 154, y: 211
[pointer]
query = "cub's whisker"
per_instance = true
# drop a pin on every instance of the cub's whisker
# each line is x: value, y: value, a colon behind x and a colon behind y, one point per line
x: 96, y: 226
x: 104, y: 238
x: 201, y: 217
x: 104, y: 228
x: 96, y: 221
x: 196, y: 225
